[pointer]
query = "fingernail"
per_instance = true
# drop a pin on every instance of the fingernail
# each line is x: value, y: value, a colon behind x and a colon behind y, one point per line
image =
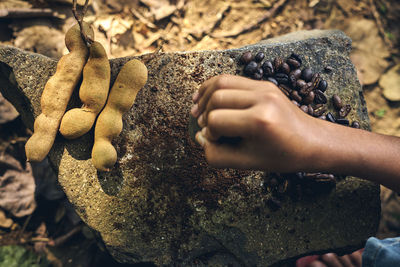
x: 200, y: 120
x: 195, y: 110
x: 195, y: 96
x: 200, y: 138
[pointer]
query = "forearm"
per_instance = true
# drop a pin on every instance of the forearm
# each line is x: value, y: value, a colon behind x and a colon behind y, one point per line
x: 359, y: 153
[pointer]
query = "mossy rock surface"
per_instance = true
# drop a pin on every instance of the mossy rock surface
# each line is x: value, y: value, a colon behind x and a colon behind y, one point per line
x: 162, y: 203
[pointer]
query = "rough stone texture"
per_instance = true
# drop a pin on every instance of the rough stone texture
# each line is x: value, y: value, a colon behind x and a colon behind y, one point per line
x: 162, y: 203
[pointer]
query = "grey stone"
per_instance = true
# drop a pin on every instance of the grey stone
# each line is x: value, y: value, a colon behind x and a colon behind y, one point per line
x: 162, y: 203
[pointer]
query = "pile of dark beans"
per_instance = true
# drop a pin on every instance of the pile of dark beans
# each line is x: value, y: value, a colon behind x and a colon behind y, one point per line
x: 306, y: 89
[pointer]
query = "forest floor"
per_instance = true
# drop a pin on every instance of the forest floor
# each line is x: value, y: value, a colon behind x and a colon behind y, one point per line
x: 41, y: 219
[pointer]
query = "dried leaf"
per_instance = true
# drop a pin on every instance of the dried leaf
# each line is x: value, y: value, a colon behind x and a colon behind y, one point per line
x: 369, y: 50
x: 7, y: 111
x: 390, y: 83
x: 162, y: 8
x: 17, y: 187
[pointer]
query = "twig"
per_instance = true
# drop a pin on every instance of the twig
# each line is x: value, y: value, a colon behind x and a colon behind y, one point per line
x: 64, y: 238
x: 79, y: 19
x: 270, y: 13
x: 24, y: 226
x: 378, y: 21
x: 143, y: 19
x: 29, y: 13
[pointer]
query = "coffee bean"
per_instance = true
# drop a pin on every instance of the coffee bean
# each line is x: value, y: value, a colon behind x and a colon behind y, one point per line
x: 287, y: 88
x: 307, y: 74
x: 337, y: 102
x: 292, y: 80
x: 293, y: 63
x: 285, y: 68
x: 304, y: 108
x: 328, y: 69
x: 330, y: 117
x: 306, y: 89
x: 246, y: 57
x: 343, y: 121
x: 300, y: 84
x: 282, y: 78
x: 320, y: 97
x: 322, y: 117
x: 258, y: 74
x: 251, y: 68
x: 356, y: 125
x: 344, y: 111
x: 317, y: 106
x: 295, y: 96
x: 319, y: 111
x: 272, y: 80
x: 315, y: 80
x: 296, y: 57
x: 309, y: 98
x: 323, y: 85
x: 310, y: 110
x: 268, y: 68
x: 296, y: 103
x: 296, y: 73
x: 278, y: 63
x: 259, y: 56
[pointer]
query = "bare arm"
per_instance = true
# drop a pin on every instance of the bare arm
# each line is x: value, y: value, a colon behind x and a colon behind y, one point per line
x: 278, y: 136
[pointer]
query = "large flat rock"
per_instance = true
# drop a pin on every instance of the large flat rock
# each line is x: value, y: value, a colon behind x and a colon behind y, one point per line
x: 162, y: 203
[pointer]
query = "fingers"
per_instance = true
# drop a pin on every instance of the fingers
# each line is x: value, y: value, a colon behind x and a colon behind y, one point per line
x: 218, y: 82
x: 356, y: 258
x: 228, y: 123
x: 227, y: 99
x: 317, y: 264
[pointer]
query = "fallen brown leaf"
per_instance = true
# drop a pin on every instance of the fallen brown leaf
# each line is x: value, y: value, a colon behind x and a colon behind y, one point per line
x: 390, y: 83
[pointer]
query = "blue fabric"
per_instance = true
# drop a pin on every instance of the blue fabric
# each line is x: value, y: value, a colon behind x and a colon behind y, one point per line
x: 381, y: 253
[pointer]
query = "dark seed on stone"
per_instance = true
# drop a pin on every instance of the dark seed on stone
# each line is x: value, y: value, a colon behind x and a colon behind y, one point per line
x: 259, y: 56
x: 337, y: 102
x: 304, y: 108
x: 296, y: 103
x: 296, y: 73
x: 300, y: 83
x: 246, y: 57
x: 292, y: 80
x: 278, y: 63
x: 293, y: 63
x: 310, y: 110
x: 328, y: 69
x: 315, y: 80
x: 307, y: 74
x: 330, y: 117
x: 355, y: 124
x: 323, y: 85
x: 344, y: 111
x: 320, y: 97
x: 259, y: 74
x: 295, y: 96
x: 282, y: 78
x: 309, y: 98
x: 272, y: 80
x: 343, y: 121
x: 319, y: 111
x: 285, y: 68
x: 268, y: 68
x: 250, y: 68
x: 296, y: 57
x: 322, y: 117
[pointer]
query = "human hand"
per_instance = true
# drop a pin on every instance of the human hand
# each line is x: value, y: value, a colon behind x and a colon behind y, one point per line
x: 275, y: 135
x: 333, y: 260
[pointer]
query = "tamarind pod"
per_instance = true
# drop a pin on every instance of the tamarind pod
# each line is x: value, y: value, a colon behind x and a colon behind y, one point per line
x: 131, y: 78
x: 93, y: 94
x: 56, y: 94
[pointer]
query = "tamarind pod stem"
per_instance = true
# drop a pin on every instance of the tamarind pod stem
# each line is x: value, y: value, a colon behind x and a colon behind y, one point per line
x: 93, y: 94
x: 131, y: 78
x: 56, y: 95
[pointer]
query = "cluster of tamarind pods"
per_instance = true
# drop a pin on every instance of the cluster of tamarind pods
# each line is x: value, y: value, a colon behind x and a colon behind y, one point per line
x: 98, y: 101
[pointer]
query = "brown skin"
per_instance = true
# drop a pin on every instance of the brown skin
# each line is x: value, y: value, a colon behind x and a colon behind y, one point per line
x: 276, y: 132
x: 93, y: 94
x: 131, y: 78
x: 56, y: 94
